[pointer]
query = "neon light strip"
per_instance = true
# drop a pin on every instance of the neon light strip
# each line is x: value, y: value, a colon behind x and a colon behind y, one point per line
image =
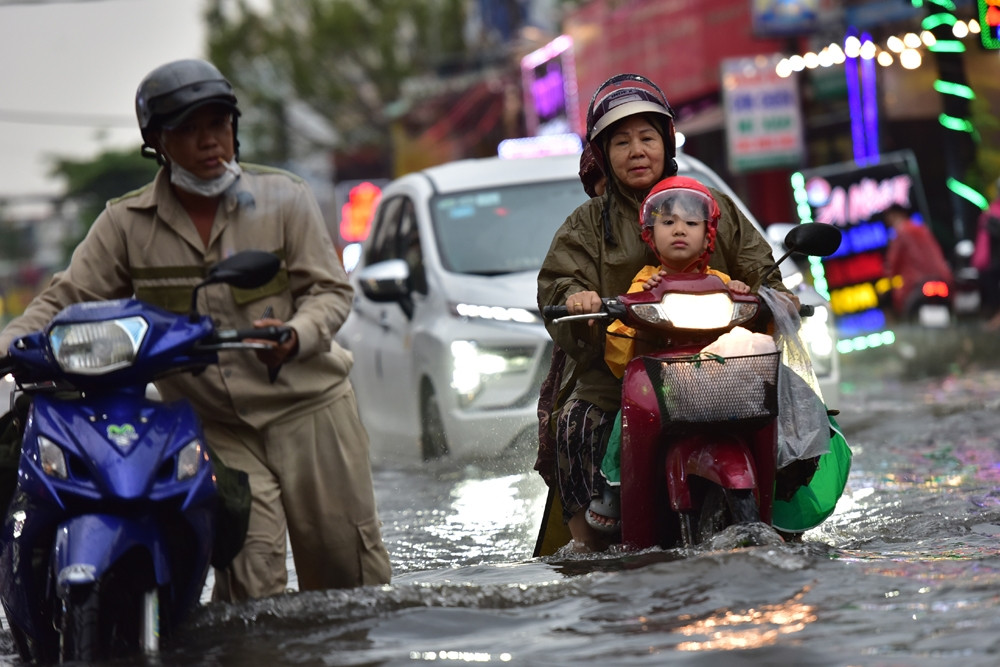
x: 956, y: 124
x: 956, y: 89
x: 858, y: 343
x: 964, y: 191
x: 854, y: 103
x: 816, y: 268
x: 946, y: 4
x: 869, y: 100
x: 947, y: 46
x: 935, y: 20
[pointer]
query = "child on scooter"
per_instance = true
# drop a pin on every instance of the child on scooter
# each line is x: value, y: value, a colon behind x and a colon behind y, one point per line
x: 679, y: 219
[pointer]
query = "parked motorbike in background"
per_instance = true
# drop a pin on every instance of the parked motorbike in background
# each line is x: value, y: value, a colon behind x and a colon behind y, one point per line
x: 107, y: 541
x: 931, y: 305
x: 699, y: 443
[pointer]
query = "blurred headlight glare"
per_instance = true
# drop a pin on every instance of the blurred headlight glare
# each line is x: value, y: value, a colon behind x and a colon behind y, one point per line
x: 472, y: 365
x: 495, y: 313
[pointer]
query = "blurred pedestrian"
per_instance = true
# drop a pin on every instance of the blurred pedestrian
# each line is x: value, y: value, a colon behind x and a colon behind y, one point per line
x: 300, y: 438
x: 914, y: 256
x: 986, y: 260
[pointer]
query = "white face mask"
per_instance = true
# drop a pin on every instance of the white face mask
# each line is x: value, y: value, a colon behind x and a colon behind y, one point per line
x: 188, y: 182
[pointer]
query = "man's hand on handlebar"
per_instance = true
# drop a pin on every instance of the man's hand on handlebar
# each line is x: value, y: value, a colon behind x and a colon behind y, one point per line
x: 276, y: 353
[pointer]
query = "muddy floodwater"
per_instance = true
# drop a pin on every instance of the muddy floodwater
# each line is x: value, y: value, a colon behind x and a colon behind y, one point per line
x: 906, y: 572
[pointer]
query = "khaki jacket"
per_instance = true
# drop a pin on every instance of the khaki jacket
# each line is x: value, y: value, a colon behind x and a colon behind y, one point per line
x: 144, y: 244
x: 581, y: 258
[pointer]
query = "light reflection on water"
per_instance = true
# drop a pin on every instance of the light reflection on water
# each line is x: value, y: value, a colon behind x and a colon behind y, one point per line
x: 482, y: 509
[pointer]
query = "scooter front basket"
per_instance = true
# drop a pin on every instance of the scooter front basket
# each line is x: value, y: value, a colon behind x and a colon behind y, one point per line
x: 709, y: 388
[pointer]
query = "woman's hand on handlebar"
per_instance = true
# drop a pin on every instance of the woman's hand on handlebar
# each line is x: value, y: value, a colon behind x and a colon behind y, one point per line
x: 583, y: 302
x: 276, y: 353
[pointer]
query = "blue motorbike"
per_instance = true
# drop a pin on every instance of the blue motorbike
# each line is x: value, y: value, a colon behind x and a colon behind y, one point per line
x: 109, y: 535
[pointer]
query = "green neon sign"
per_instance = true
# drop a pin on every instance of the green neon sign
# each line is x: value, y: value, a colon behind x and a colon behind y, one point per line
x: 989, y: 21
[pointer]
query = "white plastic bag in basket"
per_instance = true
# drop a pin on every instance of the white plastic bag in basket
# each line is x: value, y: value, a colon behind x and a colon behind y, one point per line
x: 803, y: 425
x: 740, y: 342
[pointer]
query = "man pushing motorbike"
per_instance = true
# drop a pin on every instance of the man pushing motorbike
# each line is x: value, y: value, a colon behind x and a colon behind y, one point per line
x: 297, y: 433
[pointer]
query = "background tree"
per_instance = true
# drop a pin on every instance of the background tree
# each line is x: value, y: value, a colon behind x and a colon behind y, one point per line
x: 91, y: 183
x: 345, y: 59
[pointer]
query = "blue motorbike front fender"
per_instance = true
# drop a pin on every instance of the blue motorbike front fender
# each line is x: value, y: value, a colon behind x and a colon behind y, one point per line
x: 87, y: 546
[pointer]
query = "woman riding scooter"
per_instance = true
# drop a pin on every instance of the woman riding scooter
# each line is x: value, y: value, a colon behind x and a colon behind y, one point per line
x: 597, y: 251
x: 679, y: 220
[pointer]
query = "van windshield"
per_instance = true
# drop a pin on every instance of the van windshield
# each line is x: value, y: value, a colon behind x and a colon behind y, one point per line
x: 500, y: 230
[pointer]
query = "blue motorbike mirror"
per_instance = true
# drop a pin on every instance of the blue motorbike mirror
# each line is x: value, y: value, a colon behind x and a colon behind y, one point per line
x: 247, y: 269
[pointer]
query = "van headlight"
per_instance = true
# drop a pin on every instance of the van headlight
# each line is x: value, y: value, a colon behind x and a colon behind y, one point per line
x: 473, y: 366
x: 817, y: 333
x: 494, y: 313
x: 93, y: 348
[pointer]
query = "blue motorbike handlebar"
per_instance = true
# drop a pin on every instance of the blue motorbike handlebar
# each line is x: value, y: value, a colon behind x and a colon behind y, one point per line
x: 278, y: 334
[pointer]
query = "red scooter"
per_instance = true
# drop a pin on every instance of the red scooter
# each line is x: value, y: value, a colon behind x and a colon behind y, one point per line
x: 699, y: 432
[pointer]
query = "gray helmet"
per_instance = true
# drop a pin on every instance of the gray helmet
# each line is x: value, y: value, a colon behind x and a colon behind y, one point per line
x: 625, y: 95
x: 171, y: 92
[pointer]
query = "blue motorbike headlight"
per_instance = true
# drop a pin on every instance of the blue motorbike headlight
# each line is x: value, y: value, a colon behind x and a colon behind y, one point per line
x: 93, y: 348
x: 53, y: 461
x: 189, y: 460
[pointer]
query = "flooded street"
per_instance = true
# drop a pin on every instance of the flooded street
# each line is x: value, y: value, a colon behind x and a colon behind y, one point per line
x: 906, y: 572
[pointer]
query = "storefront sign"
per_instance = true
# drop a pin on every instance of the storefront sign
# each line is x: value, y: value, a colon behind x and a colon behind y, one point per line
x: 989, y: 23
x: 548, y: 77
x: 851, y: 197
x: 763, y: 119
x: 785, y: 17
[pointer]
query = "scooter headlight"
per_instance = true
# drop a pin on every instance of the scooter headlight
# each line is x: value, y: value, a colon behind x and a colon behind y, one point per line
x: 189, y: 460
x: 93, y: 348
x: 52, y: 458
x: 696, y: 311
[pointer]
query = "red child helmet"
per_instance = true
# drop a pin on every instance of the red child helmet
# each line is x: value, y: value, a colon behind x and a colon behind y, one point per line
x: 687, y: 194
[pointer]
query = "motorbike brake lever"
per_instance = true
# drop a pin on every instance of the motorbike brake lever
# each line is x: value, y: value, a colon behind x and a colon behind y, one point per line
x: 582, y: 316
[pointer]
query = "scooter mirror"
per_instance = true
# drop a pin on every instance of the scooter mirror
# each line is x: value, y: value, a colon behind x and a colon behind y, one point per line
x: 247, y: 269
x: 814, y: 238
x: 810, y: 238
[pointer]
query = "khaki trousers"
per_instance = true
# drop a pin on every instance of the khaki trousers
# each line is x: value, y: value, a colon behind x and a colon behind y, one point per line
x: 310, y: 477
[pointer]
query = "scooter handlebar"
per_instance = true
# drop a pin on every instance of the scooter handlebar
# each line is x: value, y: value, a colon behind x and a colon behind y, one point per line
x: 553, y: 312
x: 610, y: 309
x: 231, y: 338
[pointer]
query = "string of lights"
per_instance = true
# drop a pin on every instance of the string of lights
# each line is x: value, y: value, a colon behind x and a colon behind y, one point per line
x: 903, y: 49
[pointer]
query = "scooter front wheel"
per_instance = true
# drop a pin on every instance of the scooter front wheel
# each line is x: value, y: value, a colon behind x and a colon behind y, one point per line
x: 80, y: 639
x: 722, y: 508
